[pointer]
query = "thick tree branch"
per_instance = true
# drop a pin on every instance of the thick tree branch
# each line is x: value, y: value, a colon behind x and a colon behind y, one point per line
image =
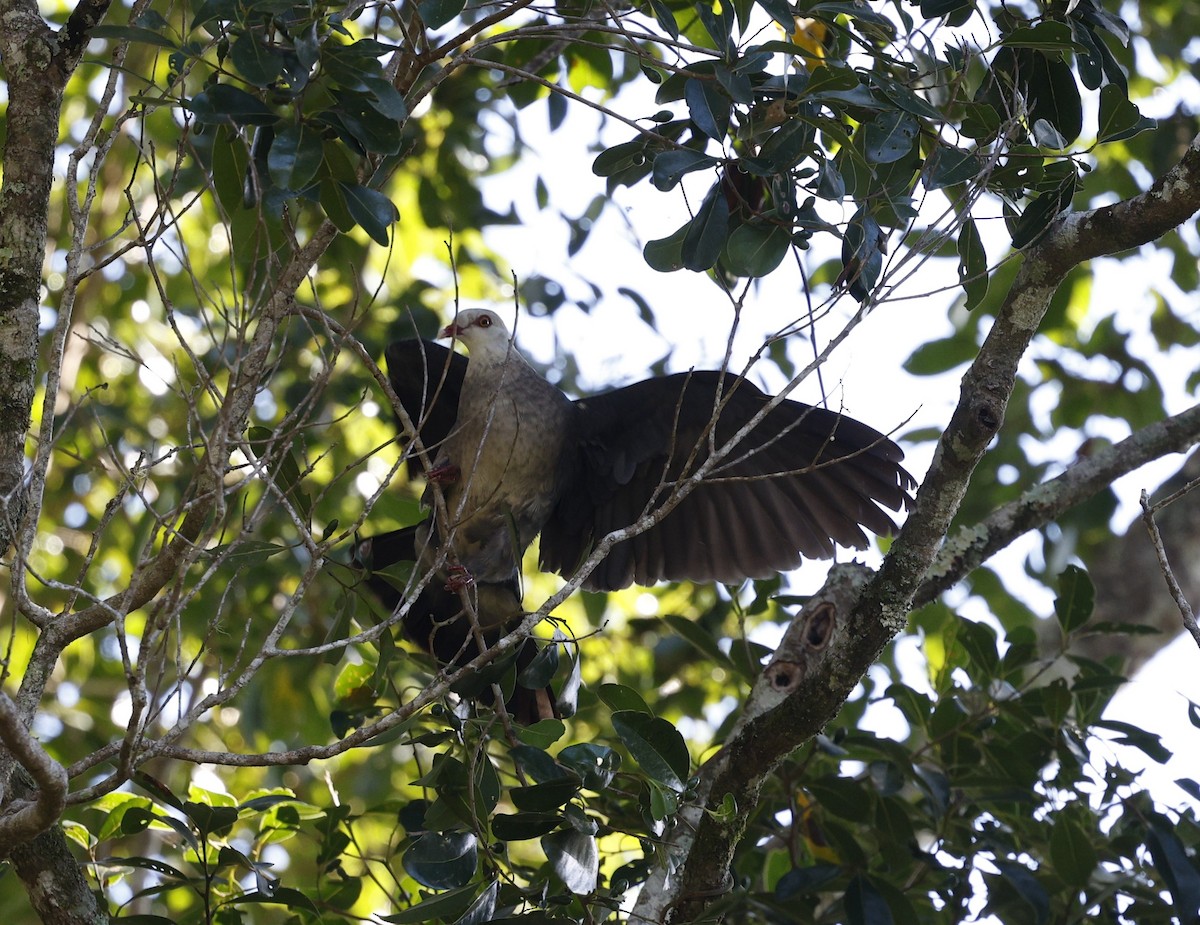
x: 23, y: 819
x: 880, y: 611
x: 34, y: 100
x: 794, y: 696
x: 73, y: 37
x: 971, y: 546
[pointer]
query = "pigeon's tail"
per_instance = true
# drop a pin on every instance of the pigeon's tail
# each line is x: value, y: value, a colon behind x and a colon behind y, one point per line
x: 438, y: 622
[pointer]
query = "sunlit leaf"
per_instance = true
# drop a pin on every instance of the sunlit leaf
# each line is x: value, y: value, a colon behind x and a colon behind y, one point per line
x: 656, y: 746
x: 574, y: 858
x: 441, y: 862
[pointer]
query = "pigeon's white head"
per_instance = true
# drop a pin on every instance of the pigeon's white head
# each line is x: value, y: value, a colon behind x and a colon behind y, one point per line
x: 483, y: 333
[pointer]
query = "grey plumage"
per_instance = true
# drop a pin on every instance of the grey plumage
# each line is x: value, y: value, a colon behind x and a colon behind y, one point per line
x: 505, y: 444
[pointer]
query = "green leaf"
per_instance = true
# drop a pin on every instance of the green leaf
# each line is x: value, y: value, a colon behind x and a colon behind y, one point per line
x: 436, y: 13
x: 213, y: 10
x: 780, y: 11
x: 151, y: 864
x: 666, y: 254
x: 595, y: 764
x: 618, y: 697
x: 805, y: 880
x: 385, y: 99
x: 670, y: 166
x: 1119, y: 118
x: 865, y: 905
x: 789, y: 144
x: 754, y: 250
x: 1047, y: 35
x: 295, y: 155
x: 255, y: 60
x: 1177, y: 869
x: 656, y: 746
x: 286, y: 470
x: 1052, y: 93
x: 333, y: 202
x: 972, y: 264
x: 574, y: 858
x: 535, y: 763
x: 664, y: 16
x: 447, y: 907
x: 538, y: 798
x: 1040, y: 214
x: 1148, y: 743
x: 620, y: 158
x: 1072, y: 852
x: 848, y: 799
x: 370, y: 209
x: 157, y: 789
x: 541, y: 670
x: 442, y: 862
x: 246, y: 552
x: 484, y: 907
x: 949, y: 166
x: 525, y: 825
x: 708, y: 107
x: 543, y: 733
x: 212, y: 820
x: 359, y: 120
x: 905, y: 98
x: 706, y: 233
x: 223, y: 104
x: 1076, y: 598
x: 890, y: 136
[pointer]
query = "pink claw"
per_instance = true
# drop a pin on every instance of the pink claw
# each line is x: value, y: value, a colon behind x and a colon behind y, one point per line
x: 458, y: 579
x: 446, y: 474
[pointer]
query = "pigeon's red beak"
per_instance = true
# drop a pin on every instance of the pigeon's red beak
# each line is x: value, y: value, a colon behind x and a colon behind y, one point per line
x: 451, y: 330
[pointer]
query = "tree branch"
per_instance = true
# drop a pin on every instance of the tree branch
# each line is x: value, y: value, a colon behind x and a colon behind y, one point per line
x: 1185, y: 609
x: 74, y: 36
x: 703, y: 855
x: 971, y: 546
x: 23, y: 819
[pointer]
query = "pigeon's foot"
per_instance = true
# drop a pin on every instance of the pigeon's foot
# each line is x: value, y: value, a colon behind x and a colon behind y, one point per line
x: 445, y: 474
x: 459, y: 578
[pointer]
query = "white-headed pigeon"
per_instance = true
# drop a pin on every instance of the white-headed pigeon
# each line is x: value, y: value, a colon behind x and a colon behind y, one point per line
x: 516, y: 458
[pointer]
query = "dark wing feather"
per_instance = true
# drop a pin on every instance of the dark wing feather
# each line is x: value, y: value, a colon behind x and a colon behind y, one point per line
x: 802, y: 481
x: 428, y: 380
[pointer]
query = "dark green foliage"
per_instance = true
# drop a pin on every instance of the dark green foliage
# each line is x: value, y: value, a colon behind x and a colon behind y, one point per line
x: 984, y: 799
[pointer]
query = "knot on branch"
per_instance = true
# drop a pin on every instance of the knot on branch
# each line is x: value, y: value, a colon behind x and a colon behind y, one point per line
x: 790, y: 664
x: 989, y: 417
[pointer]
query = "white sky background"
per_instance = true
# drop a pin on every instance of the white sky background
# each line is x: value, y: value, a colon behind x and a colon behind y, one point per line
x: 864, y: 375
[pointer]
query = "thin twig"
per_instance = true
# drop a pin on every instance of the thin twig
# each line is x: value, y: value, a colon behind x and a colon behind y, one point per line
x: 1185, y: 609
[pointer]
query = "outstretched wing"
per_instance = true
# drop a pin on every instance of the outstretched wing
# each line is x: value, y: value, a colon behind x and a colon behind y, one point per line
x: 428, y: 380
x: 803, y: 480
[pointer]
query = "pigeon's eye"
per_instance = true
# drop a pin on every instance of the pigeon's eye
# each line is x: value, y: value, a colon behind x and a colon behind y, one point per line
x: 485, y: 322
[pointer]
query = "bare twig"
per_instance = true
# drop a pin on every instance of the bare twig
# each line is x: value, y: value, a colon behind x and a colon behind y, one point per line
x: 1185, y: 609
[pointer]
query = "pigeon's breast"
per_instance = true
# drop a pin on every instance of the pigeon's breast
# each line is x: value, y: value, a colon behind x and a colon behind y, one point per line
x: 507, y: 448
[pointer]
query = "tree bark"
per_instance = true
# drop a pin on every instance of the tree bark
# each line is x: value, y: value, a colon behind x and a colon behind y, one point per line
x: 37, y: 61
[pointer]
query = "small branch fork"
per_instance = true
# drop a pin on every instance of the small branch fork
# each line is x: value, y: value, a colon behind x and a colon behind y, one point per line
x: 1148, y: 512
